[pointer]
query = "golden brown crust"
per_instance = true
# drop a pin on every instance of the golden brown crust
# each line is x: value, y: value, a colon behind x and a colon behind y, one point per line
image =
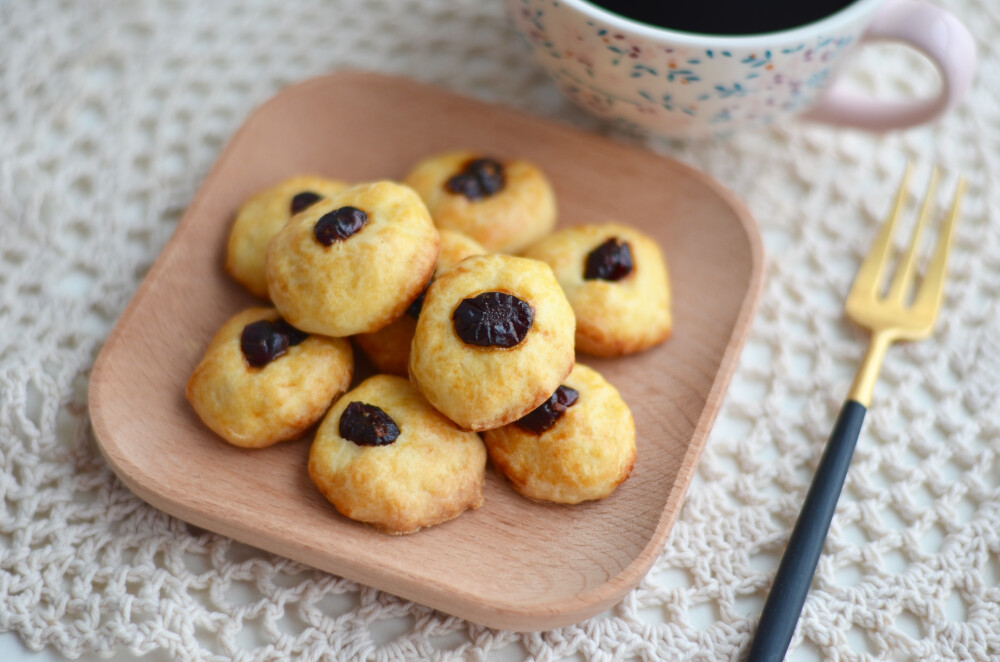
x: 455, y: 247
x: 587, y: 453
x: 389, y: 347
x: 597, y: 341
x: 478, y: 387
x: 364, y: 282
x: 256, y: 407
x: 508, y: 221
x: 259, y: 219
x: 612, y: 318
x: 430, y: 474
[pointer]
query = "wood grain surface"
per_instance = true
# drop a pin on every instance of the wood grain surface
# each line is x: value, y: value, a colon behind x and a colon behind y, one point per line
x: 513, y: 563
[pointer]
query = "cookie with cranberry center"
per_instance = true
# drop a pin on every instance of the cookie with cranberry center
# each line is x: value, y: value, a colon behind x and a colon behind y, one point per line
x: 262, y: 381
x: 504, y: 204
x: 353, y: 262
x: 385, y: 457
x: 616, y: 279
x: 493, y: 340
x: 579, y: 445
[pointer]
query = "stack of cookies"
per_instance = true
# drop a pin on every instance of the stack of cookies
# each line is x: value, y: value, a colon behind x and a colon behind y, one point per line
x: 478, y: 344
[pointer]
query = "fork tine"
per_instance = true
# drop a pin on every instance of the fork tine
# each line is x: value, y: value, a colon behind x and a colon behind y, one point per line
x: 928, y: 298
x: 903, y: 279
x: 870, y: 274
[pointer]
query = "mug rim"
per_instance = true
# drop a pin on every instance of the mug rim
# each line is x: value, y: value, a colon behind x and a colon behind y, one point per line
x: 832, y: 22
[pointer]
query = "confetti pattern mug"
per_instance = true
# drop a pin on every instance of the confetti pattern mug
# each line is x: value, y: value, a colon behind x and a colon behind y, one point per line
x: 681, y: 84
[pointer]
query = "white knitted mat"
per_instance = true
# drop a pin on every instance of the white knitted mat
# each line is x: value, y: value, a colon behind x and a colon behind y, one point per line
x: 112, y: 111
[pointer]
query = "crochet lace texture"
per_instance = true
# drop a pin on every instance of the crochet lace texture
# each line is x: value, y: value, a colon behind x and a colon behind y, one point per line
x: 112, y: 112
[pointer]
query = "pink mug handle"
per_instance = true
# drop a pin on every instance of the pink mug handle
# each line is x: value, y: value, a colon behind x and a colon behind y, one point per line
x: 929, y: 29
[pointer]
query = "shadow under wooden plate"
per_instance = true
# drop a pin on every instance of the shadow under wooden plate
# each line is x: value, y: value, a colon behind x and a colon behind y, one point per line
x: 513, y: 563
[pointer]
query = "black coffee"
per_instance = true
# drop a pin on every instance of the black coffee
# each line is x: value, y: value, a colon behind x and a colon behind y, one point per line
x: 730, y: 17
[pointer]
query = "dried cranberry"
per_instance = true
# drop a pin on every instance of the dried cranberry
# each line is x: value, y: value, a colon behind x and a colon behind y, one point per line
x: 262, y: 342
x: 489, y: 174
x: 304, y: 200
x: 418, y: 304
x: 545, y: 415
x: 295, y: 336
x: 479, y: 178
x: 465, y: 184
x: 612, y: 261
x: 492, y: 319
x: 339, y: 224
x: 367, y: 425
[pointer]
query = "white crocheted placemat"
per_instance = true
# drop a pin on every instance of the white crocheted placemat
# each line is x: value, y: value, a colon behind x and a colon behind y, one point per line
x: 112, y: 111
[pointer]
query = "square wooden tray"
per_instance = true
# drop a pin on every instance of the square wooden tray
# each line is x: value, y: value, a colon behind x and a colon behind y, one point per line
x: 513, y: 563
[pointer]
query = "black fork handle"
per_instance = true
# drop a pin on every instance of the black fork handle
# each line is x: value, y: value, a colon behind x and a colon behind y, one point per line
x: 798, y: 564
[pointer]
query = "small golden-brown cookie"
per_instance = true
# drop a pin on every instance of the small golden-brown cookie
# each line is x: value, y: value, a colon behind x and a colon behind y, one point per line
x: 385, y: 457
x: 504, y: 205
x: 353, y: 262
x: 616, y: 279
x: 493, y: 341
x: 262, y: 381
x: 578, y: 446
x: 389, y: 348
x: 261, y: 217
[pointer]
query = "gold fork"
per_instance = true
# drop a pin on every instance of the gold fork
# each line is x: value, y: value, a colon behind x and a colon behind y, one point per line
x: 894, y: 316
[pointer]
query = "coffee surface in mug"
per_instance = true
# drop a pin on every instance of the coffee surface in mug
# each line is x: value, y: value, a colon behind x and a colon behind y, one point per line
x: 727, y: 17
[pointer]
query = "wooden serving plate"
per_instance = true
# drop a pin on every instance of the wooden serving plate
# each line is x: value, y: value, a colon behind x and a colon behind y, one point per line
x: 513, y: 563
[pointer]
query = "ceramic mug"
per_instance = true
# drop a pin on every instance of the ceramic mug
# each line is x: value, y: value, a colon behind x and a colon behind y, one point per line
x: 683, y: 84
